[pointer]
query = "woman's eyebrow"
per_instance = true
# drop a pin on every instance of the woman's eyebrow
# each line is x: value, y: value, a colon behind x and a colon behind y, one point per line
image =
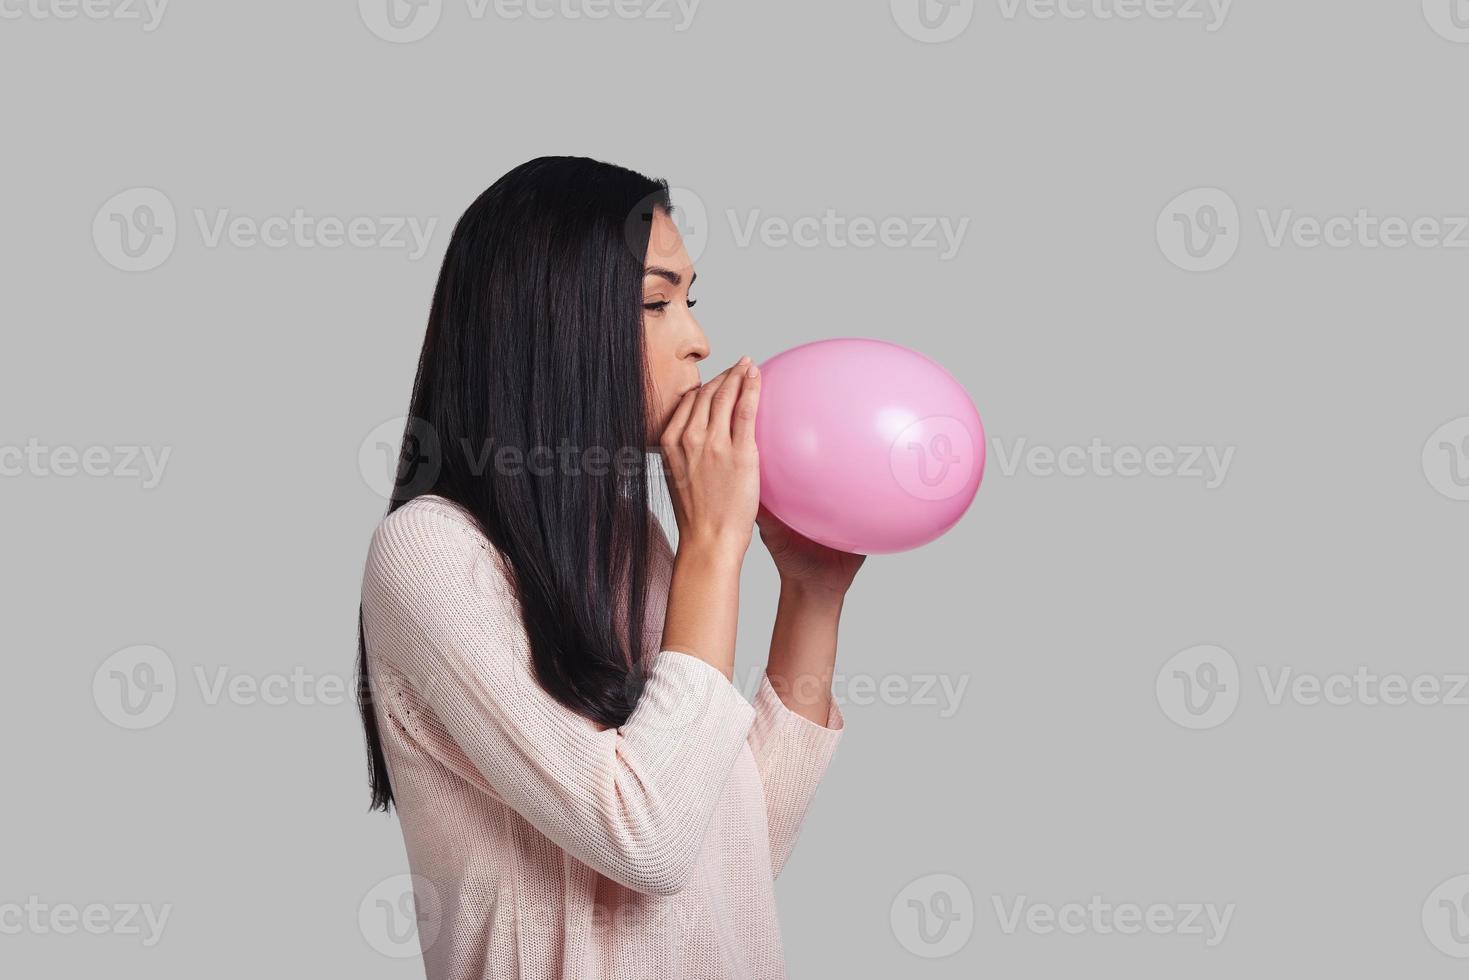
x: 669, y: 274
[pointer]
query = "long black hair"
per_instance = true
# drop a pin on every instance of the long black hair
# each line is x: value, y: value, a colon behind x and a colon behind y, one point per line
x: 535, y: 343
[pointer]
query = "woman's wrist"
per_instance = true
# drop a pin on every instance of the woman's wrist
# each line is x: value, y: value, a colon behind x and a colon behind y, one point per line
x: 809, y: 593
x: 712, y: 551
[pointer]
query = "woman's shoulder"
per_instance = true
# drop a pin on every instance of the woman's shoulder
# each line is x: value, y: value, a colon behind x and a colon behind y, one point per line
x: 428, y: 534
x: 430, y: 515
x: 432, y: 509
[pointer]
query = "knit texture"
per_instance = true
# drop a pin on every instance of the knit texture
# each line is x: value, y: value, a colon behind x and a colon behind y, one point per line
x: 543, y: 844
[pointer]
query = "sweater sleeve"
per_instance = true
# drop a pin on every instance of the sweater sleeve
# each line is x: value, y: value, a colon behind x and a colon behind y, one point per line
x: 792, y: 753
x: 633, y: 803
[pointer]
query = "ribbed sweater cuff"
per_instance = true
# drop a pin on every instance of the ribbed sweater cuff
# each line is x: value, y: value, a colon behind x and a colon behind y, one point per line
x: 688, y: 709
x: 804, y: 746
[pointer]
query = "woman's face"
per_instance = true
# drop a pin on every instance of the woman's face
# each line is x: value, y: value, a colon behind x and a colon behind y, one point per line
x: 671, y: 336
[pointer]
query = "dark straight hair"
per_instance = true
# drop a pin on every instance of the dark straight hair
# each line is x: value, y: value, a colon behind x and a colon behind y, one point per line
x: 535, y: 342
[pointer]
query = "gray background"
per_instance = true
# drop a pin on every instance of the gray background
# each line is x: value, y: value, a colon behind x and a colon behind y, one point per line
x: 1058, y: 599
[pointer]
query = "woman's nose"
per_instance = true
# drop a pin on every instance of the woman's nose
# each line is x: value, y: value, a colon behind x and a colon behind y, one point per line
x: 698, y: 348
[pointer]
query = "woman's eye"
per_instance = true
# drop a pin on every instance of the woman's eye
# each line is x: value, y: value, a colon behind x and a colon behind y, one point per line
x: 658, y: 306
x: 693, y: 303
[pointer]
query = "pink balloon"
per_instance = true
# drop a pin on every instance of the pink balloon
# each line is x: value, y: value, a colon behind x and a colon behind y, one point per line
x: 866, y: 446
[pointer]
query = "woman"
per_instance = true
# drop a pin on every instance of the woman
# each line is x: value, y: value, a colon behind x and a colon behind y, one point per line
x: 583, y: 790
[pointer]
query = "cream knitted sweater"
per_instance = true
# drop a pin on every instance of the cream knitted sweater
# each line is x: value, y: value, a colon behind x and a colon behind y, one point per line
x: 541, y: 843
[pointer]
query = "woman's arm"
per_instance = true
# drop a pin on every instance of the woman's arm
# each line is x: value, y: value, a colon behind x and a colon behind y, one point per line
x: 803, y: 649
x: 798, y: 724
x: 451, y: 663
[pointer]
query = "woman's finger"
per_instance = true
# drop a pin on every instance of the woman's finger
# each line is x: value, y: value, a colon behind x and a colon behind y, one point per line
x: 743, y: 431
x: 674, y: 465
x: 722, y: 405
x: 680, y: 417
x: 700, y: 419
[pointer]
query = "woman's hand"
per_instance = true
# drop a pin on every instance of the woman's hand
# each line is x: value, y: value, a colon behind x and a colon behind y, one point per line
x: 803, y: 563
x: 714, y: 479
x: 712, y: 463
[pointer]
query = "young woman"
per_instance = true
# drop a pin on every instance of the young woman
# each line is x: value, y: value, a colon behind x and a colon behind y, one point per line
x: 583, y: 789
